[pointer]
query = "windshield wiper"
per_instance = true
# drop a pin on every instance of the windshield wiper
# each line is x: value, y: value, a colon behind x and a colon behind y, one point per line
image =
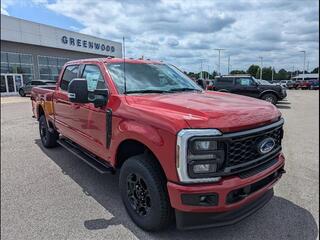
x: 147, y: 91
x: 184, y: 89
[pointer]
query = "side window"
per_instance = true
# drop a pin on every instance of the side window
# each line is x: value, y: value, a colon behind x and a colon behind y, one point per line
x: 244, y: 81
x: 94, y: 77
x: 225, y: 81
x: 70, y: 73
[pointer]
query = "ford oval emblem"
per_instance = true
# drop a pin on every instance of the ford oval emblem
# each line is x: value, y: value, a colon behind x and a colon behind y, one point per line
x: 266, y: 145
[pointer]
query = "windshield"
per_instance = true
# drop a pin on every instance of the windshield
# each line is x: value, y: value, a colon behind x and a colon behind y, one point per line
x: 148, y: 78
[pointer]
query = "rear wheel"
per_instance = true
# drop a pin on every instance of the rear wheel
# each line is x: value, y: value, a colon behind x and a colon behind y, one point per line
x: 144, y: 194
x: 21, y: 93
x: 270, y: 97
x: 48, y: 138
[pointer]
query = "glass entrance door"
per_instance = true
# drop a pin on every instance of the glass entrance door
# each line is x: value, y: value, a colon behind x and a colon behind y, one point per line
x: 11, y: 83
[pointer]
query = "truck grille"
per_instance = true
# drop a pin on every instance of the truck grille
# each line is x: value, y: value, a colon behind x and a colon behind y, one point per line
x: 242, y: 150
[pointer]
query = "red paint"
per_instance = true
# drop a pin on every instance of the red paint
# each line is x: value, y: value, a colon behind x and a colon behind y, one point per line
x: 155, y: 120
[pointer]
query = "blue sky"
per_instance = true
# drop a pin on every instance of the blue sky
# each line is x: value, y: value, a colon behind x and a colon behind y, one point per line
x: 186, y: 33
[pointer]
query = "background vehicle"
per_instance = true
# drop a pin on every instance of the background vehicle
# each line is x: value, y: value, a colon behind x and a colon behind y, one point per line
x: 26, y: 89
x: 210, y: 158
x: 290, y: 84
x: 314, y: 85
x: 251, y: 87
x: 210, y: 84
x: 283, y: 83
x: 305, y: 84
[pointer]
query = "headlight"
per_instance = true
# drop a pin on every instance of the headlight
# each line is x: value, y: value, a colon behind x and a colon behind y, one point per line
x: 199, y: 155
x: 202, y: 145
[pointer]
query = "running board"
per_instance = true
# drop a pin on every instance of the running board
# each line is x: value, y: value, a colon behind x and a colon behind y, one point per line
x: 91, y: 160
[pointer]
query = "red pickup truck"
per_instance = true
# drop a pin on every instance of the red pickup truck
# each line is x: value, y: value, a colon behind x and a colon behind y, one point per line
x: 202, y: 158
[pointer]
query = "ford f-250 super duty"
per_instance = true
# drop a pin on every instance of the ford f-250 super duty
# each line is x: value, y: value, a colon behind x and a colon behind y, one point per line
x: 201, y: 158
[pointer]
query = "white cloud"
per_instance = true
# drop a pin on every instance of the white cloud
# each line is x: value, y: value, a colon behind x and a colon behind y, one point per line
x: 185, y: 31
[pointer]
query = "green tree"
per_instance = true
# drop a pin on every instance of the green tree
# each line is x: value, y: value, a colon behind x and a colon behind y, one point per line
x: 237, y: 72
x: 316, y: 70
x: 282, y: 75
x: 267, y: 73
x: 253, y: 69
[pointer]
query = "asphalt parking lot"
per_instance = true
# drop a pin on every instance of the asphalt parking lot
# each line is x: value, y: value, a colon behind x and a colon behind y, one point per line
x: 50, y: 194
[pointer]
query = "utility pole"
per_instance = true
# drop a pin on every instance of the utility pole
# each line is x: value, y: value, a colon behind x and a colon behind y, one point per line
x: 261, y: 58
x: 272, y: 71
x: 304, y: 63
x: 292, y: 72
x: 219, y: 50
x: 229, y: 64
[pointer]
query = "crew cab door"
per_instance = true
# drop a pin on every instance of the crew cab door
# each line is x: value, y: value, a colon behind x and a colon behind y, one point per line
x: 90, y: 122
x: 246, y: 86
x: 62, y: 106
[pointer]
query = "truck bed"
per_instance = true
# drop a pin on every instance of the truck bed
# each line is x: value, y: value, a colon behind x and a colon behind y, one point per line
x: 42, y: 95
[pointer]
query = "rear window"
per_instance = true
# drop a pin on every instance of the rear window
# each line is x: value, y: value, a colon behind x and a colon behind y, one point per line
x: 70, y: 73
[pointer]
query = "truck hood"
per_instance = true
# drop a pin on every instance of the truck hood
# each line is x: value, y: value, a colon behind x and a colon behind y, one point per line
x: 224, y: 111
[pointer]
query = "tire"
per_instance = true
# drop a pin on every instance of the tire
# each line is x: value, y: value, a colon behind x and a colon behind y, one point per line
x: 270, y: 97
x: 48, y: 139
x: 144, y: 193
x: 21, y: 93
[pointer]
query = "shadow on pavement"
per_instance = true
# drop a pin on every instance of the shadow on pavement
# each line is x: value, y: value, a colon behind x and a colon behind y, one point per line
x: 279, y: 219
x: 283, y: 106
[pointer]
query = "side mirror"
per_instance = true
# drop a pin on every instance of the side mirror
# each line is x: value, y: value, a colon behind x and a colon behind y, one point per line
x: 78, y: 90
x: 100, y: 97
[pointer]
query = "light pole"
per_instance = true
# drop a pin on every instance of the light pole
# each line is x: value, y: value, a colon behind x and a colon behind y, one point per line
x: 304, y: 63
x: 261, y: 58
x: 272, y: 73
x: 229, y: 64
x: 219, y: 50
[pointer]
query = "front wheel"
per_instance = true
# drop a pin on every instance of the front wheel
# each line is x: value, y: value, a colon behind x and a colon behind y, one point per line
x: 144, y: 194
x: 269, y: 97
x: 21, y: 93
x: 48, y: 138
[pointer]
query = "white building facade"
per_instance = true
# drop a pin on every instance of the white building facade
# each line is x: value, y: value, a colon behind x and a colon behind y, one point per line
x: 36, y: 51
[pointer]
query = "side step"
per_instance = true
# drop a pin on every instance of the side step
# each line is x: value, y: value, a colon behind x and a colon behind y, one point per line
x: 91, y: 160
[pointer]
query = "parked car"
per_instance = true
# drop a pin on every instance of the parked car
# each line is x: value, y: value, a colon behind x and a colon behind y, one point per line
x: 251, y: 87
x: 283, y: 83
x: 314, y: 85
x: 209, y: 158
x: 305, y: 84
x: 26, y: 89
x: 210, y: 84
x: 290, y: 84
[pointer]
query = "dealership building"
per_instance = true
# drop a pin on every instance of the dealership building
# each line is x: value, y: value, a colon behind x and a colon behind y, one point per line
x: 31, y: 50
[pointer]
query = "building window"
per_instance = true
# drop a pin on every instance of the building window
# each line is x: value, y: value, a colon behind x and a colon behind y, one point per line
x: 49, y: 67
x: 17, y: 63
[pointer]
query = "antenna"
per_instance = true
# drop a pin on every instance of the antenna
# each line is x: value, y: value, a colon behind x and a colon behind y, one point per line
x: 124, y: 66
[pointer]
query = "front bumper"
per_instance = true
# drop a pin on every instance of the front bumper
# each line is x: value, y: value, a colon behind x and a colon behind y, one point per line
x: 188, y: 221
x: 222, y: 189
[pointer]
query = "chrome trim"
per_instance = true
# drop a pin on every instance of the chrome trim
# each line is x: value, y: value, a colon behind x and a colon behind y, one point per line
x: 182, y: 142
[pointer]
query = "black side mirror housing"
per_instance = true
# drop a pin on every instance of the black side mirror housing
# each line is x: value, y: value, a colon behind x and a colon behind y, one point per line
x: 78, y: 90
x: 78, y: 93
x: 100, y: 97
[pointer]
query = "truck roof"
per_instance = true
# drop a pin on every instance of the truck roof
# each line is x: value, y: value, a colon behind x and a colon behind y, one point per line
x: 114, y: 60
x: 235, y: 75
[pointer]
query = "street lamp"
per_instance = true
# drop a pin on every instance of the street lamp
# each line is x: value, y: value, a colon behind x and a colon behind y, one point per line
x: 304, y: 63
x: 261, y: 58
x: 219, y: 50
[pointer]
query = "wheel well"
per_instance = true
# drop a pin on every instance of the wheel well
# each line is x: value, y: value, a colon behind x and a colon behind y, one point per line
x: 270, y: 92
x: 129, y: 148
